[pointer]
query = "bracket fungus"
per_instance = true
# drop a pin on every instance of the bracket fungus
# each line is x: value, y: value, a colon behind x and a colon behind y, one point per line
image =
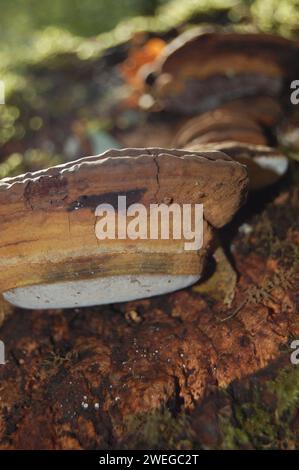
x: 197, y: 72
x: 245, y: 138
x: 236, y: 85
x: 50, y: 256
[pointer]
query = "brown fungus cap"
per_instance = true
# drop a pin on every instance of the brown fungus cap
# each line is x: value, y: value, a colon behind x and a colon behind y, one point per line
x: 197, y: 72
x: 220, y: 125
x: 47, y: 218
x: 265, y: 165
x: 246, y: 137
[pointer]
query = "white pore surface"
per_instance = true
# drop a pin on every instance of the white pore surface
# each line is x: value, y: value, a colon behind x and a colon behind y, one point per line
x: 106, y: 290
x: 278, y: 165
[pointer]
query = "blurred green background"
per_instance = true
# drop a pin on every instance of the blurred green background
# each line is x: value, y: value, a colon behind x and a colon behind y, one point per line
x: 21, y: 18
x: 83, y: 18
x: 58, y: 87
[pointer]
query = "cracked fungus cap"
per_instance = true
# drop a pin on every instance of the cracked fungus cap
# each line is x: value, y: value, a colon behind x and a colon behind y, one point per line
x: 49, y: 253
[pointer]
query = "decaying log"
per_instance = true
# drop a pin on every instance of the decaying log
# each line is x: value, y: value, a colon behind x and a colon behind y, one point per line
x: 82, y: 376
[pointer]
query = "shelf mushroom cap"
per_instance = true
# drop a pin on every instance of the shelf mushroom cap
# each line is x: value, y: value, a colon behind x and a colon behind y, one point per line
x: 50, y: 256
x: 265, y: 165
x: 245, y: 138
x: 200, y: 71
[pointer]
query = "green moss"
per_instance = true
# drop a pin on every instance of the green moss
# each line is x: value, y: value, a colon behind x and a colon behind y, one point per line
x: 159, y: 429
x: 286, y: 389
x: 265, y: 420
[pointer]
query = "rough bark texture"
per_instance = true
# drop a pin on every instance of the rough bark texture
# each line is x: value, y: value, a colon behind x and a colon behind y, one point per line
x: 99, y: 378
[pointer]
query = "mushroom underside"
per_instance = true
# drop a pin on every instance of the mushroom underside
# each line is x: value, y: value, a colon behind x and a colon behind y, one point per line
x: 100, y: 291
